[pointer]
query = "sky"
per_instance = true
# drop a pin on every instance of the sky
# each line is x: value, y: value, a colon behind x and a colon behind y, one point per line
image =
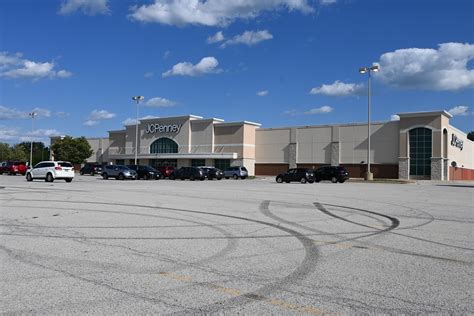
x: 78, y: 63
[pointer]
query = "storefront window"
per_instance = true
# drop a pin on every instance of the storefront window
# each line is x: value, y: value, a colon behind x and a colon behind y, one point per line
x: 164, y: 146
x: 222, y: 163
x: 420, y: 151
x: 198, y: 162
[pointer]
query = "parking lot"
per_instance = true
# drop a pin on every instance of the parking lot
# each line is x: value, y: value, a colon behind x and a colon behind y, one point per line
x: 235, y: 246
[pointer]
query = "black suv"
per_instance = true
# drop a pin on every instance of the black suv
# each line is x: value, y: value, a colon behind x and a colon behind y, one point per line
x: 91, y: 168
x: 212, y: 173
x: 333, y: 173
x: 145, y: 172
x: 302, y: 175
x: 191, y: 173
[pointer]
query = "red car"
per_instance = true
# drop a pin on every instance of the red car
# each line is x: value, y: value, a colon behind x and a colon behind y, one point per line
x: 13, y: 167
x: 166, y: 171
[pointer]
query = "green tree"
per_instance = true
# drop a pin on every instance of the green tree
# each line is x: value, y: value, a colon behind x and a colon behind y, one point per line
x: 470, y: 135
x: 40, y: 151
x: 17, y: 153
x: 4, y: 151
x: 75, y: 150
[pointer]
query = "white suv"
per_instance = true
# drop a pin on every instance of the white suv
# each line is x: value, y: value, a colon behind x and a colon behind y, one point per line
x: 51, y: 170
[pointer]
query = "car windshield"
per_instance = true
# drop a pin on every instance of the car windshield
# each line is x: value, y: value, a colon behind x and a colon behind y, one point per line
x: 148, y: 168
x: 64, y: 164
x: 244, y: 169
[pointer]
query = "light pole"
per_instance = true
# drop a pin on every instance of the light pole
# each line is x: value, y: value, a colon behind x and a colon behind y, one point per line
x: 137, y: 98
x: 32, y: 115
x: 369, y: 176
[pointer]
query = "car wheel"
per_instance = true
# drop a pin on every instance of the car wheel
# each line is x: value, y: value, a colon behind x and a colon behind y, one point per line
x: 227, y: 177
x: 92, y: 173
x: 120, y: 176
x: 311, y: 181
x: 81, y: 173
x: 202, y: 179
x: 303, y: 180
x: 333, y: 179
x: 287, y: 181
x: 145, y: 177
x: 279, y: 180
x: 29, y: 177
x: 220, y: 178
x: 243, y: 178
x: 342, y: 181
x: 68, y: 180
x: 235, y: 177
x: 192, y: 178
x: 49, y: 178
x: 105, y: 176
x: 317, y: 180
x: 172, y: 177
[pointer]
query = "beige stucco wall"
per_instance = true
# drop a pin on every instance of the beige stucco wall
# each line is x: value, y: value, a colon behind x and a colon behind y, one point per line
x: 464, y: 158
x: 384, y: 143
x: 117, y: 139
x: 314, y: 144
x: 272, y: 145
x: 100, y: 147
x: 249, y: 141
x: 229, y: 138
x: 202, y: 136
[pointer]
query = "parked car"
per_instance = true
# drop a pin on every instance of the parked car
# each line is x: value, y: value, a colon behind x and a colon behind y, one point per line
x: 191, y: 173
x: 302, y: 175
x: 145, y: 172
x: 236, y: 173
x: 166, y: 171
x: 91, y: 168
x: 51, y: 170
x: 212, y: 173
x: 333, y: 173
x: 14, y: 167
x: 118, y: 172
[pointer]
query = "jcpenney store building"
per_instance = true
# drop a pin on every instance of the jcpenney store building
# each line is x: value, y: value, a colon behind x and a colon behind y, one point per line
x: 420, y: 145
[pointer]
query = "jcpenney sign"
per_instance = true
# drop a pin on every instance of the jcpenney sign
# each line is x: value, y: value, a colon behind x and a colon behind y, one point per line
x: 157, y: 128
x: 456, y: 142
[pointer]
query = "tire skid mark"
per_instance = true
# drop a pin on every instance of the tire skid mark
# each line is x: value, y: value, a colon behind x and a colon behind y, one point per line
x: 392, y: 232
x: 395, y: 223
x: 304, y: 269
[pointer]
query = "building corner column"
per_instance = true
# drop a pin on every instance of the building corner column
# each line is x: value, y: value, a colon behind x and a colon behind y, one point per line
x: 404, y: 168
x: 445, y: 169
x: 437, y: 168
x: 335, y: 153
x: 293, y: 150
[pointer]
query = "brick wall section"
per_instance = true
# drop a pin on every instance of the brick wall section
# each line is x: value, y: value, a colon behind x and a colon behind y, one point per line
x: 461, y: 174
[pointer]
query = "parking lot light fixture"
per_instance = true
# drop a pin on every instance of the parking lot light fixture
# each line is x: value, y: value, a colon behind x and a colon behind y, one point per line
x: 137, y: 99
x: 33, y: 116
x: 369, y: 176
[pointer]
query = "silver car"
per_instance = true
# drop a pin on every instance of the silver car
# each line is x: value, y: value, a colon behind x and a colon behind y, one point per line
x: 236, y: 173
x: 118, y: 172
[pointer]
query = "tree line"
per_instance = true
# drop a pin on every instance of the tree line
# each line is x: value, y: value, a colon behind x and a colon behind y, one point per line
x: 74, y: 150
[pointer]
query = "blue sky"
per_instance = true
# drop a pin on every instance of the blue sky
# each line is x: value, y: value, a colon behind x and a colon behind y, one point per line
x: 77, y: 63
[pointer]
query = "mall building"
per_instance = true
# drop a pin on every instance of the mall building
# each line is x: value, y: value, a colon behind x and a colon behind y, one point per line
x: 421, y: 145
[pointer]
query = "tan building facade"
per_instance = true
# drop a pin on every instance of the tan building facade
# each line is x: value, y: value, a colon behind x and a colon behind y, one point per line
x: 420, y: 145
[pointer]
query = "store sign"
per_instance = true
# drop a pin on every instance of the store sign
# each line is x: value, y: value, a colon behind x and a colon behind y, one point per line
x: 456, y: 142
x: 157, y: 128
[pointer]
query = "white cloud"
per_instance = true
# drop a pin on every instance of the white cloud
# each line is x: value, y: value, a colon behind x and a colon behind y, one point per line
x: 7, y: 113
x: 98, y: 115
x: 89, y: 7
x: 461, y: 110
x: 440, y: 69
x: 327, y: 2
x: 211, y: 12
x: 262, y: 93
x: 14, y: 134
x: 159, y: 102
x: 166, y: 54
x: 322, y: 110
x: 13, y: 66
x: 394, y: 117
x: 207, y: 65
x: 338, y: 89
x: 218, y: 37
x: 249, y: 38
x: 130, y: 121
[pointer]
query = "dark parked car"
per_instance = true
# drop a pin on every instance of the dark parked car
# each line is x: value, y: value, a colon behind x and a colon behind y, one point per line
x: 145, y: 172
x: 90, y: 168
x: 212, y: 173
x: 13, y: 167
x: 166, y: 171
x: 302, y: 175
x: 333, y: 173
x: 191, y: 173
x: 119, y: 172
